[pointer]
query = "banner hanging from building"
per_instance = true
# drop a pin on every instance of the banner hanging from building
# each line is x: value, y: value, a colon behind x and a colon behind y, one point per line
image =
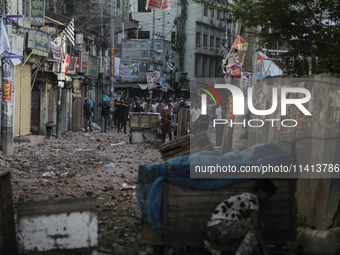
x: 74, y: 65
x: 84, y: 62
x: 92, y: 67
x: 56, y: 51
x: 129, y: 69
x: 151, y: 79
x: 158, y: 5
x: 76, y: 86
x: 112, y: 62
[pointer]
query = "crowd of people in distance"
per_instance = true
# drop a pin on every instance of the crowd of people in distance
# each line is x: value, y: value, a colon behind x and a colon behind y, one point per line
x: 118, y: 112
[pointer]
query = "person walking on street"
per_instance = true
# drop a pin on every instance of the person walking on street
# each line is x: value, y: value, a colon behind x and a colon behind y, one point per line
x: 87, y: 115
x: 167, y: 121
x: 122, y: 116
x: 105, y: 113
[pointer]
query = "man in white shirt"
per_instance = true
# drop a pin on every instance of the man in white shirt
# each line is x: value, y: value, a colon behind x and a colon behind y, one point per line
x: 238, y: 217
x: 195, y: 114
x: 219, y: 127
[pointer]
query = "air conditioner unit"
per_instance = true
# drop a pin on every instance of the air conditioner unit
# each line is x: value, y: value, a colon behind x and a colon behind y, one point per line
x: 79, y: 39
x: 101, y: 65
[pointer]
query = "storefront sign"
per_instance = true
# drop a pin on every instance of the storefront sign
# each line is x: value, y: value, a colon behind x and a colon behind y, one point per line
x: 74, y: 60
x: 37, y: 12
x: 6, y: 90
x: 92, y: 67
x: 146, y: 45
x: 39, y: 41
x: 84, y: 62
x: 17, y: 44
x: 56, y: 51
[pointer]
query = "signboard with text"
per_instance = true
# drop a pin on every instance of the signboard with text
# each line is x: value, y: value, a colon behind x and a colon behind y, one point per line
x: 84, y: 62
x: 39, y: 41
x: 92, y: 67
x: 37, y: 12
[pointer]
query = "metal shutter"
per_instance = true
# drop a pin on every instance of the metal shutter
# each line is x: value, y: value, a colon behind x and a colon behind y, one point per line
x: 22, y: 103
x: 63, y: 111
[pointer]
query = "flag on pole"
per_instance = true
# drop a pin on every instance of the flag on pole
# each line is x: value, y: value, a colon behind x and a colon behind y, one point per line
x: 4, y: 42
x: 224, y: 50
x: 69, y: 31
x: 169, y: 64
x: 238, y: 44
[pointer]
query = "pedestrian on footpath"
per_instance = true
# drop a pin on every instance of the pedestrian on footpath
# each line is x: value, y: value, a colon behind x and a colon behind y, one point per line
x: 122, y: 116
x: 87, y: 115
x: 105, y: 114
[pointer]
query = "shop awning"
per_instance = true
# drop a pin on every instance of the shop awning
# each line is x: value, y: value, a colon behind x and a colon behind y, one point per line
x: 143, y: 86
x: 126, y: 85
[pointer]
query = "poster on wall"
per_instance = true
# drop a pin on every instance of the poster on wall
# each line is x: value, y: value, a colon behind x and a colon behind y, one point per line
x: 76, y: 86
x: 84, y: 62
x: 56, y: 51
x: 151, y: 79
x: 74, y: 62
x: 129, y: 69
x: 158, y: 5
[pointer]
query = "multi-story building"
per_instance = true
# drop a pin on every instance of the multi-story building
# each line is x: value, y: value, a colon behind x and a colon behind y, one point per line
x: 195, y: 31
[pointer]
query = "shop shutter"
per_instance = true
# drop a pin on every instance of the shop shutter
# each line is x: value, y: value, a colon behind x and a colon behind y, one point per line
x: 50, y: 104
x: 55, y: 104
x: 22, y: 100
x: 25, y: 124
x: 35, y: 112
x: 63, y: 111
x: 17, y: 101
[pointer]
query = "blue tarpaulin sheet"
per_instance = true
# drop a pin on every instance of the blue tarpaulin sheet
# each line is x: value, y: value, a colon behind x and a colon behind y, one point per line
x: 177, y: 171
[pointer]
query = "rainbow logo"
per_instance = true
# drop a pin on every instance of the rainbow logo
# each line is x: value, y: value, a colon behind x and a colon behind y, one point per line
x: 205, y: 88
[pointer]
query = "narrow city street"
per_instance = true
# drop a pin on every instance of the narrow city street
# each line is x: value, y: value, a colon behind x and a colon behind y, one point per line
x: 71, y: 166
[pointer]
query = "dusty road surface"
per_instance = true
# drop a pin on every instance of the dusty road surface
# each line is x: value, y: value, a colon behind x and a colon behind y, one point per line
x: 76, y: 163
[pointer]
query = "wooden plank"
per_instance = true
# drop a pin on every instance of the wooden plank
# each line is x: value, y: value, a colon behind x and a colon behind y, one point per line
x: 56, y: 206
x: 150, y: 235
x: 182, y: 122
x: 144, y: 120
x: 227, y: 140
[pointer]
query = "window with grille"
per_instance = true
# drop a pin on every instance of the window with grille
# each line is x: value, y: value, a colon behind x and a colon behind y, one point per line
x: 198, y: 38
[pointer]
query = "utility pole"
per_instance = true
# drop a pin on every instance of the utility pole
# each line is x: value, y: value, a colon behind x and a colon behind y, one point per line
x: 112, y: 50
x: 7, y: 103
x: 152, y: 37
x: 162, y: 55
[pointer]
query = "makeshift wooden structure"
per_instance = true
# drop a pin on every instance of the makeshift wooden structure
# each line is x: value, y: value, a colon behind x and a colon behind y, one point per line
x: 182, y: 120
x: 7, y: 223
x: 186, y: 212
x: 144, y: 128
x: 58, y: 226
x: 186, y: 145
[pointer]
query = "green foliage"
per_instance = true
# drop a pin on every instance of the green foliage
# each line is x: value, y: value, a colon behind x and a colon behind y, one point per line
x: 307, y: 28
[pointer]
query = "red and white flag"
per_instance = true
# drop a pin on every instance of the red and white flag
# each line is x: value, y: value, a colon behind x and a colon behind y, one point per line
x: 238, y: 44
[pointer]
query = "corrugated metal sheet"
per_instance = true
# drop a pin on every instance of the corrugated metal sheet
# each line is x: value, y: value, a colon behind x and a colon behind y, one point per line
x: 22, y: 111
x: 35, y: 112
x: 25, y: 125
x: 55, y: 103
x: 17, y: 100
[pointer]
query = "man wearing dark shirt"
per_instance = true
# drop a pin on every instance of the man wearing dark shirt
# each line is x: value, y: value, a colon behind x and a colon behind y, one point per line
x: 138, y: 107
x: 122, y: 116
x: 105, y: 113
